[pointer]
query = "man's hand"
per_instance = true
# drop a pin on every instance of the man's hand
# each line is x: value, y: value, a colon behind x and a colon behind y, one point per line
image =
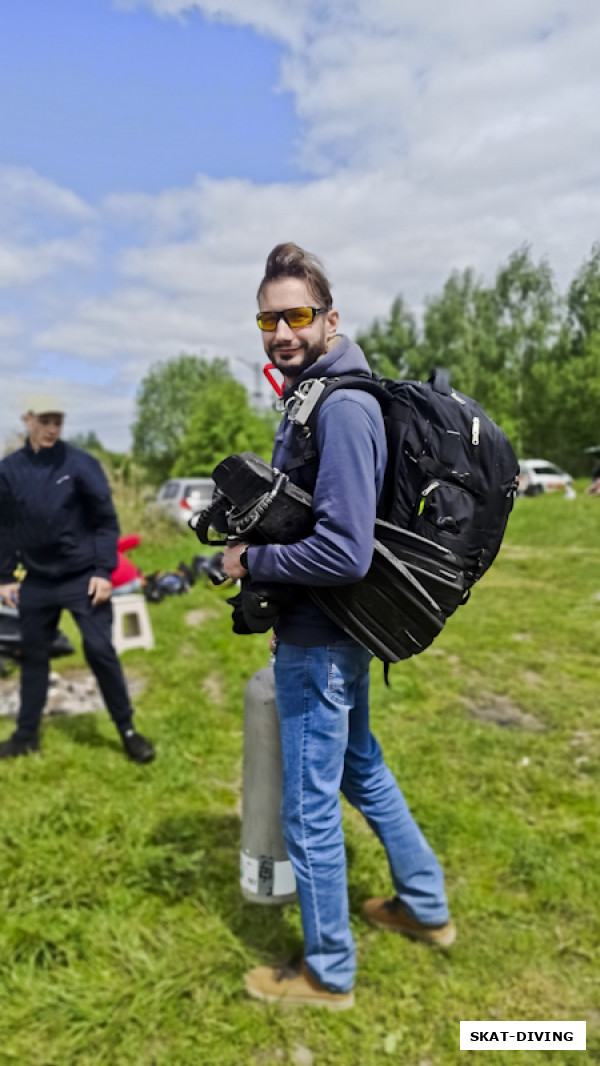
x: 99, y: 589
x: 9, y: 594
x: 231, y: 561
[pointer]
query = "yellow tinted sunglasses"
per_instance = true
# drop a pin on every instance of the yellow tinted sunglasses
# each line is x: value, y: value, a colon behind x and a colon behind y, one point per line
x: 296, y: 317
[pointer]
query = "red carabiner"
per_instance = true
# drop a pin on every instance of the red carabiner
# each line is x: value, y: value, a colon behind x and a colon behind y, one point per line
x: 275, y: 384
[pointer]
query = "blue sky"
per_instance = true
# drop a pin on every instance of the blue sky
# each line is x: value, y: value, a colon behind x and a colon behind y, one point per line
x: 102, y: 100
x: 153, y: 151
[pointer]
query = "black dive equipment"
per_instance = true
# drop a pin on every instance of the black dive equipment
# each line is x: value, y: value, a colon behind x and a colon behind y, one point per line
x: 395, y: 611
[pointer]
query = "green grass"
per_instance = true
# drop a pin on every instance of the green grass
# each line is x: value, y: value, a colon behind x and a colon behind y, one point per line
x: 124, y: 936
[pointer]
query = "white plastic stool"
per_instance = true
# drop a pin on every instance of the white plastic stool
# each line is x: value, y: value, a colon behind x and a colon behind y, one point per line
x: 131, y: 623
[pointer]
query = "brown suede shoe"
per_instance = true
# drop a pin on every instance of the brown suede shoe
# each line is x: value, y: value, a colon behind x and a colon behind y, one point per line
x: 294, y: 986
x: 390, y: 914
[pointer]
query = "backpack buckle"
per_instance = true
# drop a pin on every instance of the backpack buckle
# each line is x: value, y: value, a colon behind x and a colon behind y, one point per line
x: 304, y: 399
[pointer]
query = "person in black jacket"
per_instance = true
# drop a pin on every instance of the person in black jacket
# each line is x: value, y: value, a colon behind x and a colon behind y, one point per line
x: 57, y: 520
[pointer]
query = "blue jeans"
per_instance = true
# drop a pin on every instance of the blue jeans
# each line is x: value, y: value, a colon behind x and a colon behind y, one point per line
x: 323, y: 706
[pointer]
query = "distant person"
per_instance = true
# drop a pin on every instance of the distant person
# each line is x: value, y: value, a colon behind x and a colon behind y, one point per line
x: 58, y: 521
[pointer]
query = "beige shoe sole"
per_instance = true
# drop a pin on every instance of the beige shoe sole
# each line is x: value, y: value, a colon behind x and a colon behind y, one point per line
x: 344, y: 1002
x: 436, y: 938
x: 442, y: 937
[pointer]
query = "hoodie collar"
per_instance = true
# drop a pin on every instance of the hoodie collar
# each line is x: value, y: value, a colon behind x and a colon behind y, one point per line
x: 343, y: 357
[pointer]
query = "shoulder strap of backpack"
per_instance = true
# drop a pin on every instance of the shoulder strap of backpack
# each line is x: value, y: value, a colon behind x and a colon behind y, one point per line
x: 304, y: 451
x: 440, y: 381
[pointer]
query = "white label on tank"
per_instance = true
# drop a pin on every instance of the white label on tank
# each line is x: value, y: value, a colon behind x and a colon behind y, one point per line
x: 280, y: 882
x: 249, y: 873
x: 284, y: 882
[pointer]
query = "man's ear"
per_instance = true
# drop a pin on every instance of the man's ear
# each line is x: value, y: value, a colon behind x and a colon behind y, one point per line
x: 332, y: 319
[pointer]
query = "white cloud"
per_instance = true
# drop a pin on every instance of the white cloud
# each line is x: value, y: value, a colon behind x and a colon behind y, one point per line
x: 44, y: 228
x: 21, y: 265
x: 376, y: 80
x: 23, y: 192
x: 9, y: 327
x: 137, y: 324
x: 438, y: 135
x: 283, y: 19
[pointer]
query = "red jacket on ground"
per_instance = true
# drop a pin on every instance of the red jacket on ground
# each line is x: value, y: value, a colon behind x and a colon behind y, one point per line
x: 125, y: 570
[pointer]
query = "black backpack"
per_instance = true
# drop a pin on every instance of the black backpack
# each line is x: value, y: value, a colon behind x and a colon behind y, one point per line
x: 449, y: 487
x: 450, y: 480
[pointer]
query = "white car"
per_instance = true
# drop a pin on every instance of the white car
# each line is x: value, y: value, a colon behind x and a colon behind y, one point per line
x: 538, y: 475
x: 182, y: 497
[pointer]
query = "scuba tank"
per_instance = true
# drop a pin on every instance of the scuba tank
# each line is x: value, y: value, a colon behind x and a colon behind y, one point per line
x: 266, y: 873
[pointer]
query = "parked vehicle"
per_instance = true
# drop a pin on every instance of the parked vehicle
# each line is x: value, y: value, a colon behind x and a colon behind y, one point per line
x: 538, y: 475
x: 181, y: 497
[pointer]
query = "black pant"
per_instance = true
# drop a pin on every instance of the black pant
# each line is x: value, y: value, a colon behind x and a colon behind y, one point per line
x: 40, y: 606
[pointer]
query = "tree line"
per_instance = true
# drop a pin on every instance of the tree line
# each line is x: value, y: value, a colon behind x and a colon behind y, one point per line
x: 527, y: 353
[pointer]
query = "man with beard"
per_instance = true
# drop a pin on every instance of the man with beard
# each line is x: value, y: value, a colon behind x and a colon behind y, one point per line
x: 321, y: 675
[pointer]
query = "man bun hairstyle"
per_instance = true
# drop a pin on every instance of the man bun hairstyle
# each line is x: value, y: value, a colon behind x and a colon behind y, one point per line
x: 290, y: 261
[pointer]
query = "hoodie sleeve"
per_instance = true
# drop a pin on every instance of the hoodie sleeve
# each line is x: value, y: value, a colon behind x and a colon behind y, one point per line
x: 8, y: 543
x: 100, y: 514
x: 351, y: 446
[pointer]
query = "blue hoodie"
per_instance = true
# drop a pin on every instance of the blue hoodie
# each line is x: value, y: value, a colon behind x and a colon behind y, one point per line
x: 346, y: 483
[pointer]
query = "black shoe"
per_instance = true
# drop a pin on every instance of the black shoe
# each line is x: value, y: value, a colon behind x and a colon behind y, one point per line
x: 137, y: 747
x: 13, y: 747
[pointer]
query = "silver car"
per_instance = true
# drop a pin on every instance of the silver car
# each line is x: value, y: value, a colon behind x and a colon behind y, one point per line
x: 182, y: 497
x: 538, y: 475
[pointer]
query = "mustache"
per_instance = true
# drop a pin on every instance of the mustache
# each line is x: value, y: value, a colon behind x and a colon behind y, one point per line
x: 286, y: 345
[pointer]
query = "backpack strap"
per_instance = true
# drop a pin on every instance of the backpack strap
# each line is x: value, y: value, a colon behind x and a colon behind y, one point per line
x: 440, y: 381
x: 303, y: 411
x: 303, y: 451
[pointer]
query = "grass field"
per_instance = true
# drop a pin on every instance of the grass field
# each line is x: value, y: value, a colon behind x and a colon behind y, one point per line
x: 124, y: 936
